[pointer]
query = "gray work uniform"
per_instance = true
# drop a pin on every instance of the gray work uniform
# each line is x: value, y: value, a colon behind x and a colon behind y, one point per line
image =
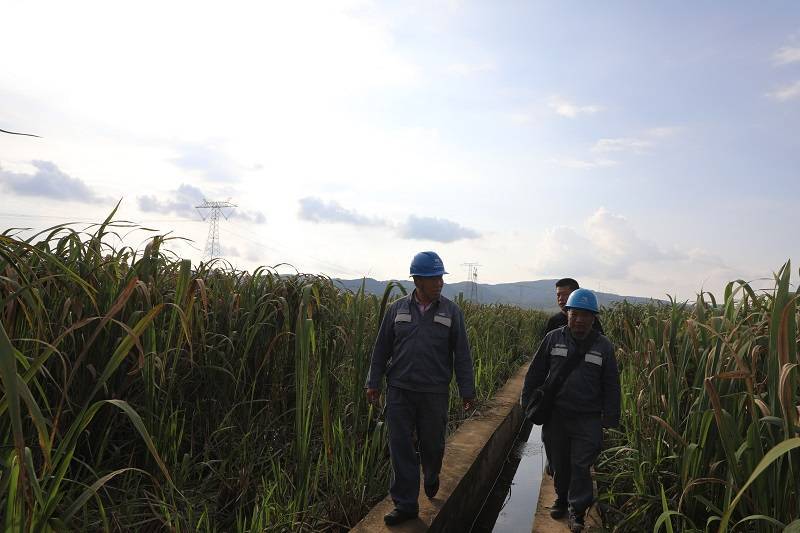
x: 417, y: 353
x: 588, y: 401
x: 556, y: 321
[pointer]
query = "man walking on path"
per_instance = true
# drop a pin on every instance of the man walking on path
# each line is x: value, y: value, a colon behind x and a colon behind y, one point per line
x: 564, y: 288
x: 421, y: 341
x: 588, y: 401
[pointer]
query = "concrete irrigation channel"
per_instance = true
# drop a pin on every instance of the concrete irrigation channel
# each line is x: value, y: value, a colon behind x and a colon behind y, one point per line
x: 490, y: 477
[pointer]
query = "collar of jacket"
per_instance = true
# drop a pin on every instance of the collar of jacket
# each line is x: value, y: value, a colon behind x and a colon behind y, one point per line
x: 413, y: 298
x: 410, y: 300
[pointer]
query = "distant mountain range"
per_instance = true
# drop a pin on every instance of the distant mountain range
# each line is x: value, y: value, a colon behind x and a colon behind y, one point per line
x: 540, y: 294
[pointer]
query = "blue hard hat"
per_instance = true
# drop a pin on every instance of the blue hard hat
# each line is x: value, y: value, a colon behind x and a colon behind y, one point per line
x: 427, y: 265
x: 582, y: 299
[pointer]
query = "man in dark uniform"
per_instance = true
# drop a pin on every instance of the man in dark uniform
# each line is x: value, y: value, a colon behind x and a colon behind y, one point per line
x: 564, y: 288
x: 421, y: 341
x: 588, y: 401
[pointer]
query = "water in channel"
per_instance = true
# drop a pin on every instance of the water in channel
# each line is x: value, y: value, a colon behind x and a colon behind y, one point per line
x: 511, y: 504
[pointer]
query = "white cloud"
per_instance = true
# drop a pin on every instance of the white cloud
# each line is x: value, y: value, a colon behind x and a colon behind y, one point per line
x: 435, y: 229
x: 253, y: 217
x: 49, y: 181
x: 584, y: 164
x: 786, y: 55
x: 562, y: 249
x: 570, y: 110
x: 316, y: 210
x: 468, y: 69
x: 617, y: 240
x: 622, y: 144
x: 663, y: 131
x: 608, y: 252
x: 183, y: 202
x: 639, y: 144
x: 607, y: 246
x: 786, y: 93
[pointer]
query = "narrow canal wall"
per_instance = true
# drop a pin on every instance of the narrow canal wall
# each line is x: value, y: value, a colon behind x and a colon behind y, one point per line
x: 474, y: 455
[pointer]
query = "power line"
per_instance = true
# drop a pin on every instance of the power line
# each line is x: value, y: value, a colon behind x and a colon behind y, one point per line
x: 17, y: 133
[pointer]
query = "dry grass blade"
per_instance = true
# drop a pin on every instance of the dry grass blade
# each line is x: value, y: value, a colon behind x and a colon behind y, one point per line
x: 669, y: 429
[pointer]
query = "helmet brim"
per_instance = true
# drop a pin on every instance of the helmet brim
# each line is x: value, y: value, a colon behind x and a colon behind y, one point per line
x: 593, y: 311
x: 430, y: 275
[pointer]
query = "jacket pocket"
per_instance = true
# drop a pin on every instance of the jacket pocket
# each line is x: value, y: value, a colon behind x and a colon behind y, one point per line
x: 440, y: 329
x: 591, y: 371
x: 443, y: 320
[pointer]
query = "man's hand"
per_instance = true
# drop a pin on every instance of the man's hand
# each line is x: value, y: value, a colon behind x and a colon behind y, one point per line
x: 469, y: 403
x: 373, y: 396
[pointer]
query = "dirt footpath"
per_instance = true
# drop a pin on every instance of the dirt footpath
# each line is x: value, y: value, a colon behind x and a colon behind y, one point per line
x: 542, y: 523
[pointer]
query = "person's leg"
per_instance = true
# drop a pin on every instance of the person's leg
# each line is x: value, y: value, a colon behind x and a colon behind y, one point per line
x: 557, y: 444
x: 431, y: 431
x: 400, y: 416
x: 586, y: 440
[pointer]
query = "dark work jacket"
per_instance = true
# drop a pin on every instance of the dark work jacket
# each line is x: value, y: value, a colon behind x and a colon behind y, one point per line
x: 592, y: 388
x: 420, y: 351
x: 560, y: 319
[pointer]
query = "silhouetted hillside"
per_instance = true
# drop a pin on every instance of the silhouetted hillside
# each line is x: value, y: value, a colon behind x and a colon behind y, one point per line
x: 538, y: 294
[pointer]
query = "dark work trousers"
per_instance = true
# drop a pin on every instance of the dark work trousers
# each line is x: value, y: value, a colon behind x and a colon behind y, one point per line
x: 407, y: 411
x: 573, y: 443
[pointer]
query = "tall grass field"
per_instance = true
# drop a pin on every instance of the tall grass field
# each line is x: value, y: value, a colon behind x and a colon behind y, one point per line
x: 709, y: 439
x: 142, y: 393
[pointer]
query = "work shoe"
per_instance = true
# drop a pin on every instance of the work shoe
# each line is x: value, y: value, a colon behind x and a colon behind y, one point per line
x: 398, y: 517
x: 558, y: 509
x: 576, y: 524
x: 432, y: 489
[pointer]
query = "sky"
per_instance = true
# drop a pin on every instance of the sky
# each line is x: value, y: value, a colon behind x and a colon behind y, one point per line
x: 644, y: 148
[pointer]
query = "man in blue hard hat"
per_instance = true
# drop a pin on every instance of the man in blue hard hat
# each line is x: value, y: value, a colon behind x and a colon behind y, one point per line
x: 421, y: 341
x: 564, y: 288
x: 588, y: 401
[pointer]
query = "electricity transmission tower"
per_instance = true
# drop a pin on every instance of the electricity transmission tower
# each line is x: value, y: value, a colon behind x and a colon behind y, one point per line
x: 472, y: 279
x: 212, y: 249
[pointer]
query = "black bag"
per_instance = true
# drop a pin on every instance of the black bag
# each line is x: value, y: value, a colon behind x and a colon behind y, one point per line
x: 540, y: 406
